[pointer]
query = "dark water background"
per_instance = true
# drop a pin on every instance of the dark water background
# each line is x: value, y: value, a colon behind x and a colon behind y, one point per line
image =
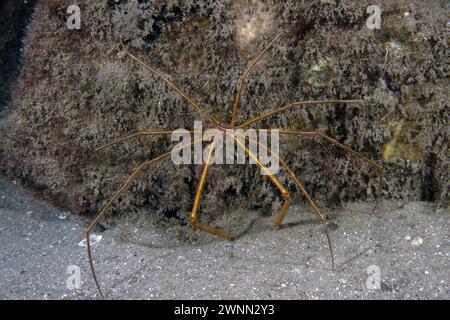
x: 14, y: 17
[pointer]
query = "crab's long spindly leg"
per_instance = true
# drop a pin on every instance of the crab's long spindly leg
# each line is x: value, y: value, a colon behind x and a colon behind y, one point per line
x: 317, y: 134
x: 285, y: 194
x: 177, y: 89
x: 141, y: 134
x: 194, y: 218
x: 279, y: 219
x: 124, y: 187
x: 244, y: 77
x: 296, y: 104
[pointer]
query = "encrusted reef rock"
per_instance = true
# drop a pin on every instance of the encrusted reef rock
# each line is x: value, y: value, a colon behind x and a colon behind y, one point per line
x: 78, y: 90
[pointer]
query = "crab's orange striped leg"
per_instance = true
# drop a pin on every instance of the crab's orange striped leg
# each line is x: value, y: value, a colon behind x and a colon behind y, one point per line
x: 285, y: 194
x: 194, y: 218
x: 279, y: 218
x: 140, y: 134
x: 177, y: 89
x: 244, y: 77
x: 124, y: 187
x: 293, y: 105
x: 378, y: 167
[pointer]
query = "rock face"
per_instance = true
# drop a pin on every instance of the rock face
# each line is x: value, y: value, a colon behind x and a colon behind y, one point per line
x: 78, y: 90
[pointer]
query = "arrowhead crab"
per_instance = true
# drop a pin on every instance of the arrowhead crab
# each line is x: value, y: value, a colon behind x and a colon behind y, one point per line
x: 229, y: 130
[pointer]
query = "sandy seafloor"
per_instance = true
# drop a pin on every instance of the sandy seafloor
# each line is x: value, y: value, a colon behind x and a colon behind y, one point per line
x: 407, y: 242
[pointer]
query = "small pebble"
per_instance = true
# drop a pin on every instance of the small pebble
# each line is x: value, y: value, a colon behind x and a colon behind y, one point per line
x: 417, y: 241
x: 62, y: 216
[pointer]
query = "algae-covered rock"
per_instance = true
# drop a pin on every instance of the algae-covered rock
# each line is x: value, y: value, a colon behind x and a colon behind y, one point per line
x: 78, y: 90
